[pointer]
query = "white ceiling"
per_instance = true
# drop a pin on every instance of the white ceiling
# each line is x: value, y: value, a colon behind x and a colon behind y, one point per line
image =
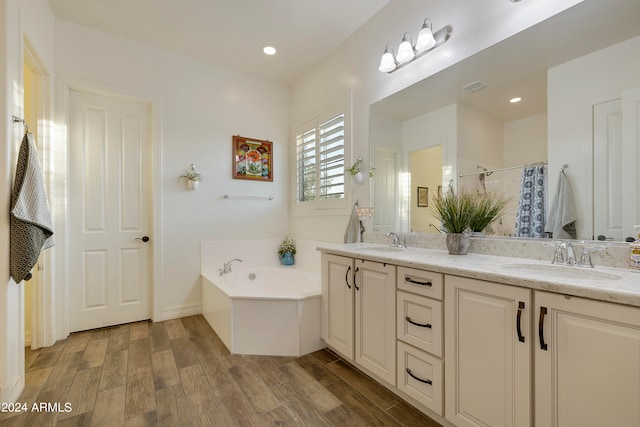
x: 230, y: 33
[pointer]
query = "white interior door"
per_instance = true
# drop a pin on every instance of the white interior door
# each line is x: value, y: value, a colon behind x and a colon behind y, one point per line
x: 631, y: 161
x: 109, y: 197
x: 384, y: 190
x: 607, y: 173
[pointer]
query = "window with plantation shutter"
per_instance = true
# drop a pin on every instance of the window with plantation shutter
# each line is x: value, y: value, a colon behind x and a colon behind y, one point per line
x: 320, y: 152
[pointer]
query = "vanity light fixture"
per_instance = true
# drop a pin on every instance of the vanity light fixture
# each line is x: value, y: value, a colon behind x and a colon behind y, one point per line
x: 387, y: 63
x: 427, y: 41
x: 405, y: 50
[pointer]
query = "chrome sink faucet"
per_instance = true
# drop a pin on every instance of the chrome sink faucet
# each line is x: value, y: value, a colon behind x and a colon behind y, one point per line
x: 559, y: 256
x: 571, y: 255
x: 226, y: 268
x: 396, y: 240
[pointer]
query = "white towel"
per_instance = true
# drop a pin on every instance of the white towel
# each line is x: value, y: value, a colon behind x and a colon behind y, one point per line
x: 352, y: 233
x: 562, y: 216
x: 31, y: 228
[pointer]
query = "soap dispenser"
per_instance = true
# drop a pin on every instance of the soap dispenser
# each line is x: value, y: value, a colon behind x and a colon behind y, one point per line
x: 634, y: 250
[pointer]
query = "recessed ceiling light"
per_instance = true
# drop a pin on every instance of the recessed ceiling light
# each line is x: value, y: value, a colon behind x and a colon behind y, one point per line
x: 514, y: 100
x: 269, y: 50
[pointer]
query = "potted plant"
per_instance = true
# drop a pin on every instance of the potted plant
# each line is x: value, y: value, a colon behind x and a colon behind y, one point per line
x: 286, y: 251
x: 454, y: 211
x: 355, y: 172
x: 488, y: 207
x: 193, y: 178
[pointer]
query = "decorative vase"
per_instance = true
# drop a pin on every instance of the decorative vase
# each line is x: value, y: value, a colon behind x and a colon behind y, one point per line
x: 358, y: 178
x: 458, y: 243
x: 287, y: 259
x: 193, y: 185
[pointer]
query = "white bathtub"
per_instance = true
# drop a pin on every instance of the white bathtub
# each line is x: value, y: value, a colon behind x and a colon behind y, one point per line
x: 276, y: 313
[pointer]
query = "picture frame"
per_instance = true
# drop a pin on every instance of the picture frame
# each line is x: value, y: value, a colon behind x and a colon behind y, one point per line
x: 423, y: 197
x: 252, y: 159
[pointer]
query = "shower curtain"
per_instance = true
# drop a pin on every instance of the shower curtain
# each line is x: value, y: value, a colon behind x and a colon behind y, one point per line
x: 530, y: 216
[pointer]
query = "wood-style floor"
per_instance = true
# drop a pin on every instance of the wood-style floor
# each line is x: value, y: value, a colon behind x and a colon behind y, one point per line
x: 179, y: 373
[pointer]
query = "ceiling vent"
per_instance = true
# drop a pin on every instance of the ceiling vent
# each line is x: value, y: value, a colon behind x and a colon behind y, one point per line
x: 474, y: 87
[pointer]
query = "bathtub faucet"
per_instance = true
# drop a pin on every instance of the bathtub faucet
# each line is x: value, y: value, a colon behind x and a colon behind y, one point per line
x: 227, y: 266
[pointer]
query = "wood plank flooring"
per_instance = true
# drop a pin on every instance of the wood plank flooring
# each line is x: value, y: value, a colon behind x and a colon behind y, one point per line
x: 179, y: 373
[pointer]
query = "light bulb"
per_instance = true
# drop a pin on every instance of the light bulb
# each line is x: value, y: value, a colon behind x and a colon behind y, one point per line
x: 387, y: 63
x: 405, y: 51
x: 425, y: 37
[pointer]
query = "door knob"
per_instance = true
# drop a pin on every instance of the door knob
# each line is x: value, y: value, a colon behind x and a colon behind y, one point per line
x: 143, y: 238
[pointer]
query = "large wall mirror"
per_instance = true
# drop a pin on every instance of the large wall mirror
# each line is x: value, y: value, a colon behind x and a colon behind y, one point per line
x: 578, y: 77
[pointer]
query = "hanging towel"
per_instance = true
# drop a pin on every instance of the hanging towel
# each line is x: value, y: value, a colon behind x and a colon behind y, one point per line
x: 31, y: 228
x: 530, y: 215
x: 562, y: 216
x: 352, y: 233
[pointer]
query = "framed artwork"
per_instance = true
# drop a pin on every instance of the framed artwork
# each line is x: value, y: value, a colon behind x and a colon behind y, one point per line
x: 423, y: 197
x: 252, y: 159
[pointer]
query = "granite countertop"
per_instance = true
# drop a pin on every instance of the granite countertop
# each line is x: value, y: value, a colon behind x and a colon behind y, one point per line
x: 616, y: 285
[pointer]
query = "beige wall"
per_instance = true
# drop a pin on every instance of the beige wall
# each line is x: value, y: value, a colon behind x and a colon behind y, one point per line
x: 426, y: 171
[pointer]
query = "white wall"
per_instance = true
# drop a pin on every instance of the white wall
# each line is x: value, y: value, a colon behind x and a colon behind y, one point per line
x: 30, y: 19
x: 200, y: 108
x: 480, y: 143
x: 525, y: 141
x: 571, y: 93
x: 354, y: 67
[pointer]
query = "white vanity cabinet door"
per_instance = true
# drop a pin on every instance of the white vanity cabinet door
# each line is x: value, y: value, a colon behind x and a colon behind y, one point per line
x: 420, y: 322
x: 421, y: 282
x: 420, y: 375
x: 375, y: 318
x: 487, y: 366
x: 337, y: 303
x: 587, y: 362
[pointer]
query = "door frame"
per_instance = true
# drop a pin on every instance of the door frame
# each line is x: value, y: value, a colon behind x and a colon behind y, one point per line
x: 42, y: 287
x: 64, y: 86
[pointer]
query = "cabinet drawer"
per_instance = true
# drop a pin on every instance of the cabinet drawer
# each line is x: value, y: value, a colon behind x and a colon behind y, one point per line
x: 419, y: 322
x: 420, y: 376
x: 420, y: 282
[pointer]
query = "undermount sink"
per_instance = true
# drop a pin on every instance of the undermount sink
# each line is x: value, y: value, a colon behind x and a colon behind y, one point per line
x: 562, y: 271
x: 383, y: 248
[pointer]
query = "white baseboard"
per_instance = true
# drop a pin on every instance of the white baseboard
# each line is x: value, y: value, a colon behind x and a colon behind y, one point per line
x: 182, y: 310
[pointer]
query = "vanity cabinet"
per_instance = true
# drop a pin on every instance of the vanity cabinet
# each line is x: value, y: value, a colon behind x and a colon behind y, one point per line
x: 587, y: 362
x: 359, y: 312
x: 419, y: 330
x: 488, y: 353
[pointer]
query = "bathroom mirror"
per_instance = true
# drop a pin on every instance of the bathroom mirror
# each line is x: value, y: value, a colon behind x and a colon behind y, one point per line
x: 477, y: 128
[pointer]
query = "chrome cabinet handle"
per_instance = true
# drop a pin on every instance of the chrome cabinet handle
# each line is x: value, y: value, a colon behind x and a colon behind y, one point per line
x: 416, y: 378
x: 519, y: 321
x: 422, y: 325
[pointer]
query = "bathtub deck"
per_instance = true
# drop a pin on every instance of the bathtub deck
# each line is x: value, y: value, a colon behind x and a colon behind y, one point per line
x: 178, y: 372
